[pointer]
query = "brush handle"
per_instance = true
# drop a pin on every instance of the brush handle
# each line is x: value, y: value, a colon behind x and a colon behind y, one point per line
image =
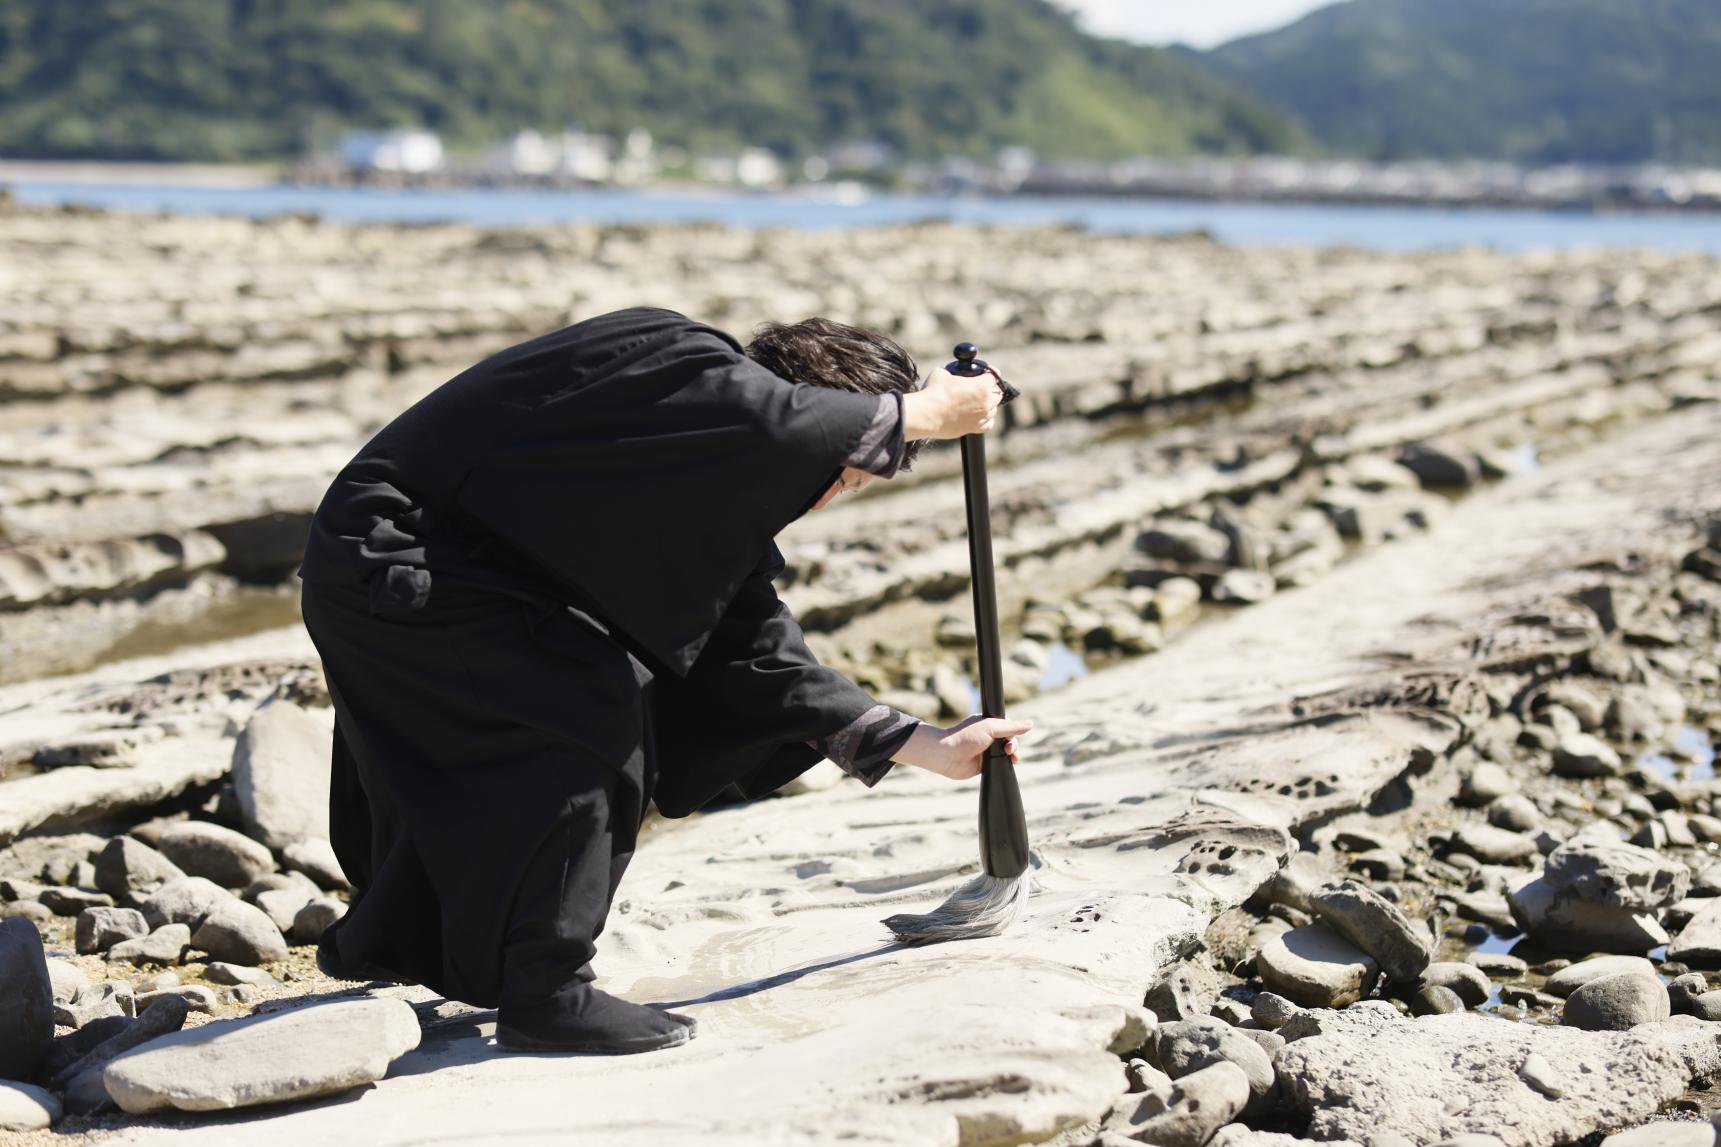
x: 1003, y: 825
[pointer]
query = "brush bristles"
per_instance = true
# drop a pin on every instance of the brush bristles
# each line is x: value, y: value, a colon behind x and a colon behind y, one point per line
x: 985, y: 906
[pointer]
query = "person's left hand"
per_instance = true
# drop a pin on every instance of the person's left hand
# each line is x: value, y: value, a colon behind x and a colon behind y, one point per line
x: 959, y: 751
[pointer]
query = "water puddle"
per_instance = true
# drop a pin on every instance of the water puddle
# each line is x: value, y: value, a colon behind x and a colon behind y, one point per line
x: 1063, y: 665
x: 1691, y: 758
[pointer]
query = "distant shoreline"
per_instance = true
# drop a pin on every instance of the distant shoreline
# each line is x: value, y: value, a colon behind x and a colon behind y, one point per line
x: 139, y: 174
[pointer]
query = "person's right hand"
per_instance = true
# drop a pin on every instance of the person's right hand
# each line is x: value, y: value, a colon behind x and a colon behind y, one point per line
x: 951, y: 405
x: 958, y: 752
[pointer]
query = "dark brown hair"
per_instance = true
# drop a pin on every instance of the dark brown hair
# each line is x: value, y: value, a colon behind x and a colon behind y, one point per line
x: 822, y: 352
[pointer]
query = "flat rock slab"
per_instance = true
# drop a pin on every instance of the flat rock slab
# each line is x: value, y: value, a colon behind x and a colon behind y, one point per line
x: 1437, y: 1077
x: 319, y: 1050
x: 1158, y: 793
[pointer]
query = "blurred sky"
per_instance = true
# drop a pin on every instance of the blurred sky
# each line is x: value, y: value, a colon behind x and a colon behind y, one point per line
x: 1202, y: 23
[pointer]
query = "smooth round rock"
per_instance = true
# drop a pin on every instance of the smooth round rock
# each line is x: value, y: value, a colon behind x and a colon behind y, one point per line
x: 1468, y: 982
x: 1315, y: 967
x: 24, y: 1107
x: 227, y: 858
x: 1616, y: 1003
x: 1569, y: 979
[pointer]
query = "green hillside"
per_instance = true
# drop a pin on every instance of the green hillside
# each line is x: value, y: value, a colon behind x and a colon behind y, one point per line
x: 1531, y: 80
x: 261, y: 79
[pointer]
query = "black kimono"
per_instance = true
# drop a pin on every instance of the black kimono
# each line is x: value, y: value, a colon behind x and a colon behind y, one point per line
x: 542, y: 597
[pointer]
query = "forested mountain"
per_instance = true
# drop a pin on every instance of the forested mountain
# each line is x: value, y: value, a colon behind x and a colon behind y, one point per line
x: 256, y: 79
x: 1530, y: 80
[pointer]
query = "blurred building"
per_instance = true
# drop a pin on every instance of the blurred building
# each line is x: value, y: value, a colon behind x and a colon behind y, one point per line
x: 408, y: 151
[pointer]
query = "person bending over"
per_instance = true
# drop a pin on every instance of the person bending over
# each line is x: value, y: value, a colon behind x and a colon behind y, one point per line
x: 542, y: 597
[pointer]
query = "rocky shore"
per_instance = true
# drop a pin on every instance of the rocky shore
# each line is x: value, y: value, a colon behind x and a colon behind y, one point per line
x: 1367, y: 606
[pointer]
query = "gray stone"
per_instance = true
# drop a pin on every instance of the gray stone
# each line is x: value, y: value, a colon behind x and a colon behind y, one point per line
x: 1316, y: 967
x: 1617, y: 875
x: 1540, y: 1074
x: 1176, y: 995
x: 66, y: 978
x: 1497, y: 963
x: 99, y: 929
x: 1379, y: 864
x: 1666, y: 1133
x: 29, y: 911
x: 1568, y: 979
x: 1485, y: 783
x: 81, y: 1081
x: 1561, y: 919
x: 219, y: 972
x: 1271, y: 1010
x: 313, y: 918
x: 1190, y: 1113
x: 1514, y: 812
x: 27, y: 1014
x: 25, y: 1107
x: 1493, y: 845
x: 1436, y: 1077
x: 1144, y: 1077
x: 282, y: 904
x: 71, y: 901
x: 319, y: 1050
x: 186, y: 901
x: 1375, y: 925
x: 1585, y: 704
x: 227, y: 858
x: 1616, y: 1003
x: 163, y: 979
x: 129, y: 870
x: 197, y: 997
x: 1181, y: 541
x: 240, y: 933
x: 274, y: 881
x: 1243, y: 587
x: 1582, y: 755
x: 96, y: 1002
x: 1301, y: 875
x: 1188, y: 1046
x: 315, y: 857
x: 1435, y: 1000
x: 1468, y: 982
x: 165, y: 945
x: 1698, y: 944
x: 281, y: 772
x: 1440, y: 466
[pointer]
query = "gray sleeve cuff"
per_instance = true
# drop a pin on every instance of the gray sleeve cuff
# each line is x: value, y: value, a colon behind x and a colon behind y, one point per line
x: 863, y: 748
x: 881, y: 447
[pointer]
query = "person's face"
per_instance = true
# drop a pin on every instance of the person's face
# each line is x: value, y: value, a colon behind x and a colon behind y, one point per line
x: 850, y: 479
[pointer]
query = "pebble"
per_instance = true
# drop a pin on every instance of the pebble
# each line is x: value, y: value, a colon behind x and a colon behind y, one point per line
x: 71, y: 901
x: 25, y: 1107
x: 1514, y: 812
x: 240, y: 933
x: 1375, y: 925
x: 219, y: 972
x: 155, y: 983
x: 27, y: 1015
x: 1493, y: 845
x: 186, y: 901
x: 1466, y: 981
x: 1188, y: 1046
x: 314, y: 917
x: 1497, y: 963
x: 1177, y: 995
x: 1581, y: 755
x: 1243, y: 587
x: 1435, y: 1000
x: 197, y: 997
x: 1583, y: 703
x: 1316, y: 967
x: 315, y: 857
x: 1698, y: 944
x: 165, y: 945
x: 1438, y: 466
x: 99, y: 929
x: 1271, y: 1010
x: 282, y: 904
x: 1540, y: 1074
x: 227, y: 858
x: 298, y: 1054
x: 65, y: 978
x: 1379, y: 864
x: 1189, y: 1113
x: 96, y: 1002
x: 1528, y: 998
x: 1143, y: 1077
x: 1568, y: 979
x: 129, y: 869
x: 1616, y: 1003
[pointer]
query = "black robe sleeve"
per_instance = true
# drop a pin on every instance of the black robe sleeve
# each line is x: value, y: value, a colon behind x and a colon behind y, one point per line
x: 749, y: 710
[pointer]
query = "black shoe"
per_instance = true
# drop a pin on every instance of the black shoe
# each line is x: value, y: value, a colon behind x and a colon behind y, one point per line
x: 580, y: 1017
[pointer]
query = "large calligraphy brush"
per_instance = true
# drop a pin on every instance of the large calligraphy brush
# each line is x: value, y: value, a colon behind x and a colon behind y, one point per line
x: 991, y: 901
